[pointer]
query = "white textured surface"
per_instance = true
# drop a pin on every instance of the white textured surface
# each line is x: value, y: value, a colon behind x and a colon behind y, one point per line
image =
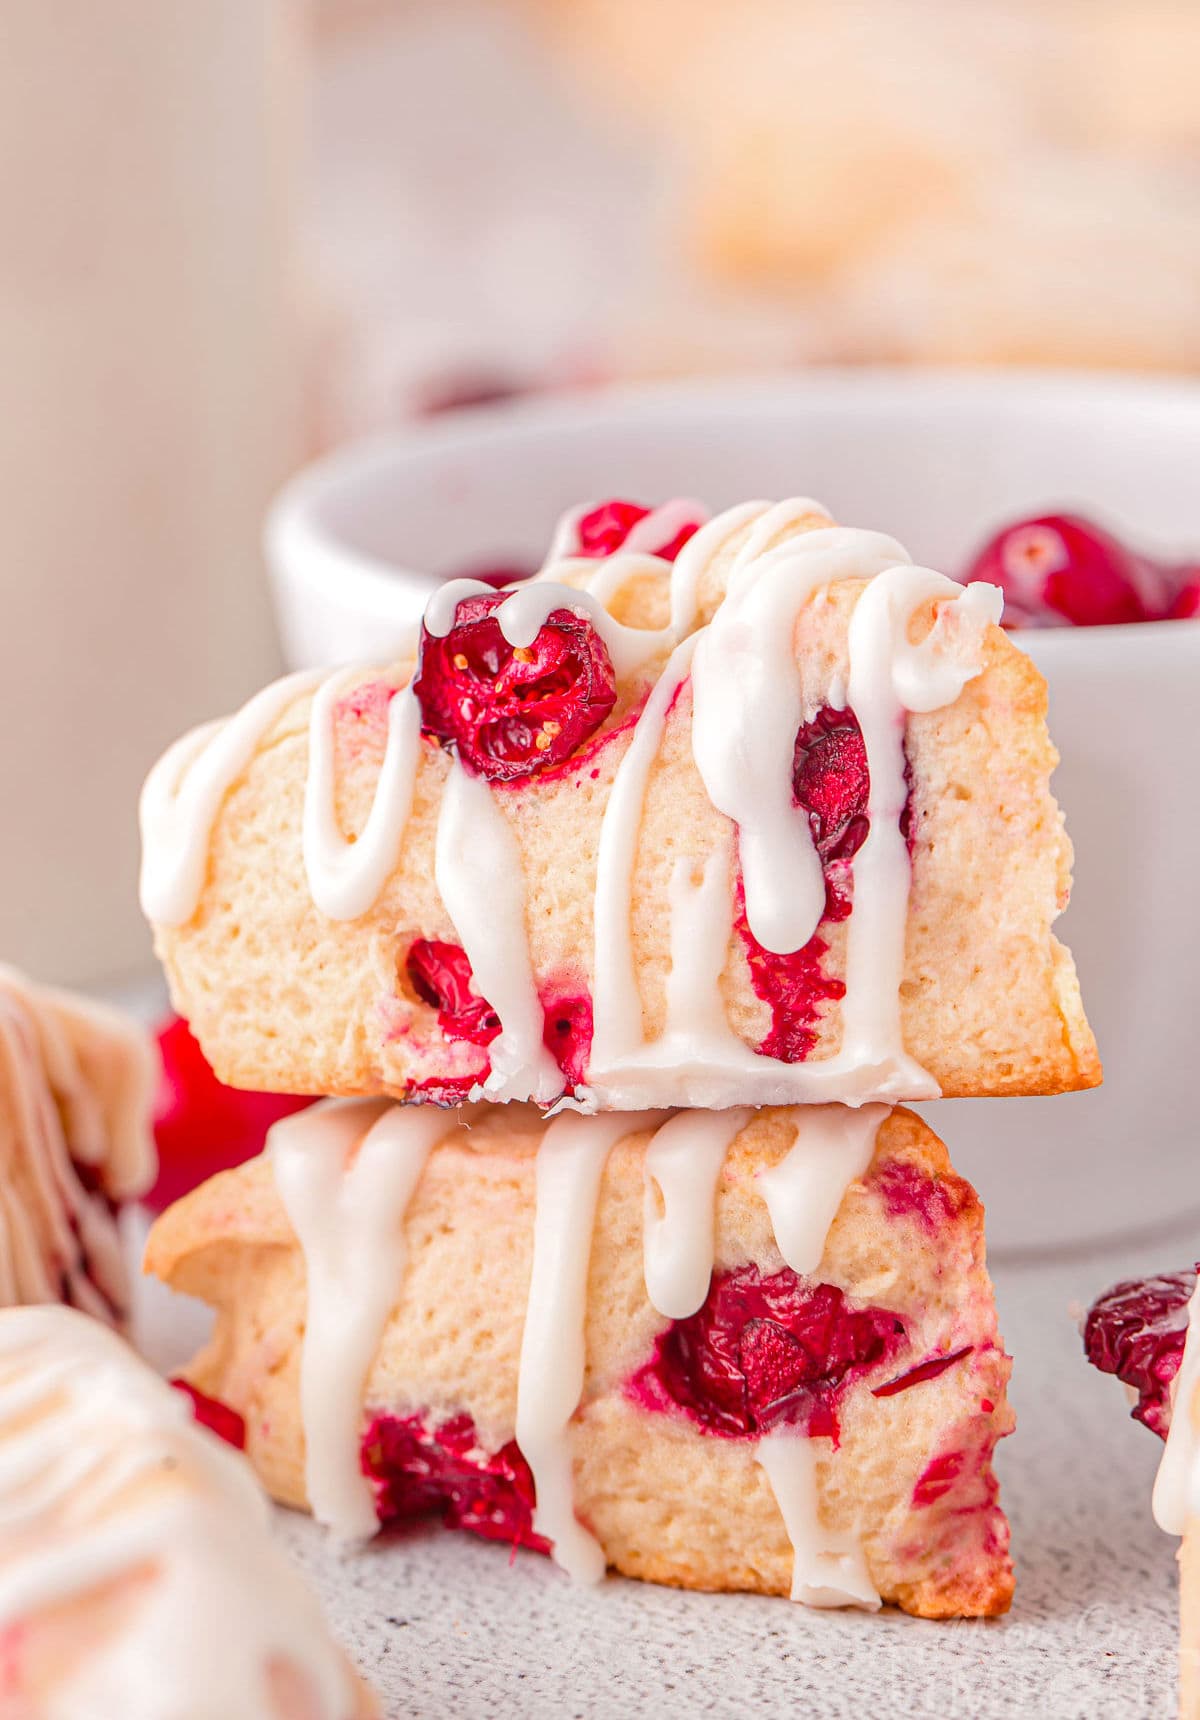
x: 444, y: 1625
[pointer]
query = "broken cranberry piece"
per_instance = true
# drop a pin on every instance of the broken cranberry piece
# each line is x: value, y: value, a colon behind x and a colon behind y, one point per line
x: 211, y: 1413
x: 419, y: 1468
x: 927, y: 1370
x: 1061, y: 569
x: 909, y: 1191
x: 764, y: 1353
x: 440, y: 975
x: 200, y: 1125
x: 831, y: 782
x: 793, y: 986
x: 1137, y: 1331
x: 567, y: 1034
x: 510, y: 711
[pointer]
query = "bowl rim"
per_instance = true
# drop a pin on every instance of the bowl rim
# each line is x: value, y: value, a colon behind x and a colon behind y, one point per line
x: 300, y: 542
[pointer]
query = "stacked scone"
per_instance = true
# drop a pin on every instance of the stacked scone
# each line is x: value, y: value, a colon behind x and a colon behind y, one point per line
x: 618, y: 919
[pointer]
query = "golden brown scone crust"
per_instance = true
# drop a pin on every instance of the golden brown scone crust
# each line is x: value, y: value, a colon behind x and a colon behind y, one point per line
x: 284, y: 999
x: 667, y: 1502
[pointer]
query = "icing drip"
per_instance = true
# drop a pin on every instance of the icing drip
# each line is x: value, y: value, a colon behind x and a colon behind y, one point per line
x: 617, y: 1008
x: 345, y: 878
x: 1177, y: 1484
x: 828, y: 1568
x: 183, y: 793
x: 699, y: 1060
x: 75, y: 1091
x: 682, y: 1166
x: 347, y: 1209
x: 105, y: 1479
x: 747, y: 710
x: 804, y: 1191
x: 481, y: 880
x: 570, y: 1164
x: 889, y: 676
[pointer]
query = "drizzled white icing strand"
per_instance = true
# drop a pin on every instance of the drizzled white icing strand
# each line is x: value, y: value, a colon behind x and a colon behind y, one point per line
x: 481, y: 880
x: 616, y: 1002
x: 570, y: 1165
x: 746, y: 713
x: 803, y: 1192
x: 699, y: 1060
x: 183, y: 794
x: 1177, y: 1484
x: 828, y: 1569
x: 105, y: 1478
x: 525, y: 611
x: 347, y: 1209
x: 682, y: 1167
x: 346, y: 877
x: 889, y: 676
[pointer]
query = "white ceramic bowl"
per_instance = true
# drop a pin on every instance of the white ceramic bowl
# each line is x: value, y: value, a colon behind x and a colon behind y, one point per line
x: 355, y: 544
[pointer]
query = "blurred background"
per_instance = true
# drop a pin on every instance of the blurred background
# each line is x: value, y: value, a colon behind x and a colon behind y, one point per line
x: 238, y: 232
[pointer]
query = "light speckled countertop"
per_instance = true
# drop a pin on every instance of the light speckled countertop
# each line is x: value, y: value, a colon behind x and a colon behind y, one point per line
x: 444, y: 1626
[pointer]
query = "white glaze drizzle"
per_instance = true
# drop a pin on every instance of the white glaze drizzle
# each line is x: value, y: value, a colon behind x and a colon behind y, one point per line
x: 76, y: 1082
x: 345, y: 878
x: 346, y: 1172
x: 888, y: 677
x: 828, y: 1568
x: 682, y: 1166
x: 481, y: 881
x: 570, y: 1164
x: 698, y: 1060
x: 746, y: 713
x: 105, y: 1477
x: 1177, y: 1484
x: 183, y: 793
x: 803, y: 1192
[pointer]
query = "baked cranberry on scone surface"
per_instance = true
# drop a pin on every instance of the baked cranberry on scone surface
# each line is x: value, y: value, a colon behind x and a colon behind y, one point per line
x: 740, y: 810
x: 585, y: 1336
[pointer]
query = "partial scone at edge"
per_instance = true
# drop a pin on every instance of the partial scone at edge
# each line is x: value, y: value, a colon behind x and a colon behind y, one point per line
x: 283, y: 998
x: 669, y: 1499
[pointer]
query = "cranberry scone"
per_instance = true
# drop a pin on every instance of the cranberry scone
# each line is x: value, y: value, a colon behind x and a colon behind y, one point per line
x: 1146, y: 1331
x: 720, y: 1350
x: 76, y: 1086
x: 742, y: 810
x: 138, y: 1577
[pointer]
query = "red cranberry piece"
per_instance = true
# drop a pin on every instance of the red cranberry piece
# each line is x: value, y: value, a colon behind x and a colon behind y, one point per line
x: 908, y: 1191
x: 831, y: 782
x: 419, y: 1468
x: 928, y: 1370
x: 603, y: 531
x: 793, y: 986
x: 1186, y: 603
x: 509, y: 711
x: 765, y: 1352
x: 441, y: 976
x: 200, y: 1125
x: 211, y: 1413
x: 1062, y: 569
x: 1137, y: 1331
x: 568, y: 1034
